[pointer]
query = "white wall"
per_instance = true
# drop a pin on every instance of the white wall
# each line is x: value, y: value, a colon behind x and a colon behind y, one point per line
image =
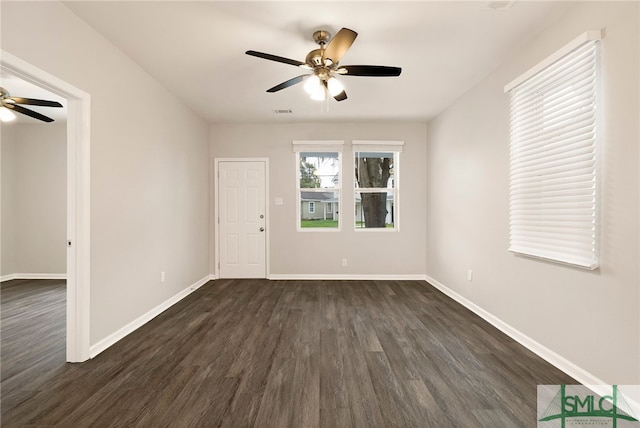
x: 7, y: 195
x: 149, y: 167
x: 299, y: 254
x: 589, y: 318
x: 34, y: 189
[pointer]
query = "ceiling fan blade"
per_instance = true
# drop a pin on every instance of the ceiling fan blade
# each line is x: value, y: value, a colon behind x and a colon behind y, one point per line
x: 28, y: 112
x: 275, y: 58
x: 370, y: 70
x: 34, y: 102
x: 341, y: 96
x: 288, y: 83
x: 339, y: 45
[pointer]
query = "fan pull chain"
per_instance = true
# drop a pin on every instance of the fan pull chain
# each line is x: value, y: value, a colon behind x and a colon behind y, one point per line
x: 326, y: 100
x: 324, y: 104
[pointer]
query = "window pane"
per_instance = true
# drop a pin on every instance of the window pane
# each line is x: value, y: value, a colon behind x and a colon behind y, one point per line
x: 319, y: 209
x: 374, y: 170
x: 319, y: 170
x: 375, y: 210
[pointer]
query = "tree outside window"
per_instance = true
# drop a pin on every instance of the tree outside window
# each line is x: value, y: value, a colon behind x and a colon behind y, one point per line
x: 375, y: 190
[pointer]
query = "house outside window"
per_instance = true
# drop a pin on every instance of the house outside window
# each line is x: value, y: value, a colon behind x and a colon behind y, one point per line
x: 319, y: 166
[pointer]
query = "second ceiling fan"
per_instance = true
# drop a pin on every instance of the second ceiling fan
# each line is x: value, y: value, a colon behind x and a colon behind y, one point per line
x: 324, y: 65
x: 13, y: 104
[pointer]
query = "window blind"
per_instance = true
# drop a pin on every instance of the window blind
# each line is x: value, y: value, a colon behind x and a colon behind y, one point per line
x: 317, y: 146
x: 377, y: 146
x: 553, y: 181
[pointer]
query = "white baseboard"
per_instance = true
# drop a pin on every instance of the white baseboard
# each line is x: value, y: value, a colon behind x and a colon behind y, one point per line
x: 345, y: 277
x: 140, y: 321
x: 576, y: 372
x: 11, y: 276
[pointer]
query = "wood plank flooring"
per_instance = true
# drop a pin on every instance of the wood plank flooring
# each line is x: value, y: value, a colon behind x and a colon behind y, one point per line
x: 258, y: 353
x: 33, y: 318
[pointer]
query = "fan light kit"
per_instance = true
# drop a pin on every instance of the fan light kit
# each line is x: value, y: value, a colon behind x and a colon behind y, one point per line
x: 6, y: 115
x: 324, y: 65
x: 10, y: 104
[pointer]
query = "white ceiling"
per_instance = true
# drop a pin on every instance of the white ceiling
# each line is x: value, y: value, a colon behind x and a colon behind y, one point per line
x: 196, y: 50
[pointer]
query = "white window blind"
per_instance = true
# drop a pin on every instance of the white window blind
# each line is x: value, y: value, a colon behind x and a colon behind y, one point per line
x: 553, y: 180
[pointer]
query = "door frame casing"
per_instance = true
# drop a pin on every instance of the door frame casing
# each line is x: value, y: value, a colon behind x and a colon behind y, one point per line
x: 216, y: 214
x: 78, y: 200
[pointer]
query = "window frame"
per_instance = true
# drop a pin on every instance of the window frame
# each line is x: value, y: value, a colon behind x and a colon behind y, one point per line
x: 374, y: 146
x: 318, y: 146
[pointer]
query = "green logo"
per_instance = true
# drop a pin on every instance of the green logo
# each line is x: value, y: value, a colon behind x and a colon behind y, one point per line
x: 579, y: 406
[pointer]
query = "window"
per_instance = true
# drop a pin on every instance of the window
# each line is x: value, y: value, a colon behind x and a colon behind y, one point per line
x: 553, y: 186
x: 318, y: 184
x: 376, y: 184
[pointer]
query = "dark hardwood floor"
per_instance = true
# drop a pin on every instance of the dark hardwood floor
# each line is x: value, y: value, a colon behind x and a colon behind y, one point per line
x: 33, y: 334
x: 244, y: 353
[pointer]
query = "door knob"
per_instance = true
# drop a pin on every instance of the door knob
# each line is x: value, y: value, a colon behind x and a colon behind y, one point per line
x: 262, y: 229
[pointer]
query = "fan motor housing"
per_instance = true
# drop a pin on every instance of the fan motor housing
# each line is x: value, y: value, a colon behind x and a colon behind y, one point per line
x: 321, y: 37
x: 314, y: 58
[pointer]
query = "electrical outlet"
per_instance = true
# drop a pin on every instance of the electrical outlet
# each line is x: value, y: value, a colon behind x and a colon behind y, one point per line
x: 163, y: 277
x: 469, y: 275
x: 344, y: 262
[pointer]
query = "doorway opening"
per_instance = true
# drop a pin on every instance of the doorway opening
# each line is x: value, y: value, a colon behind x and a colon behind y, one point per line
x: 78, y: 208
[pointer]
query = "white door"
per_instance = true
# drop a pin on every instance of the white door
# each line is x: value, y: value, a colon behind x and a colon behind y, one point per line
x: 242, y: 219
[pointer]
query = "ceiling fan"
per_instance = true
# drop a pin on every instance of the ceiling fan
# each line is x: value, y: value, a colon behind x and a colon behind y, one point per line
x: 13, y: 104
x: 324, y: 66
